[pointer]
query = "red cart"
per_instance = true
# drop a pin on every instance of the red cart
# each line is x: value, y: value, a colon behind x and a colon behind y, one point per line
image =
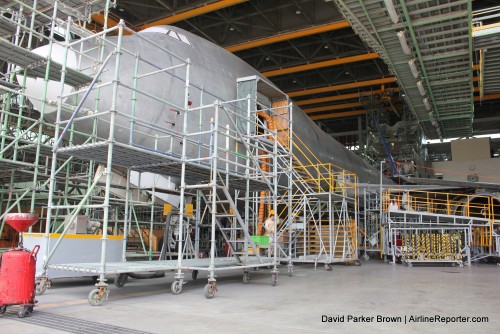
x: 18, y: 269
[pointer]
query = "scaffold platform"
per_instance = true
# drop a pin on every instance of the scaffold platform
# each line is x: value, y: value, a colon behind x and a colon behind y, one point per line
x: 36, y: 64
x: 145, y: 160
x: 222, y: 263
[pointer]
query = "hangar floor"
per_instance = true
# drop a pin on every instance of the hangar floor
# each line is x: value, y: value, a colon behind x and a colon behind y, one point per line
x: 298, y: 304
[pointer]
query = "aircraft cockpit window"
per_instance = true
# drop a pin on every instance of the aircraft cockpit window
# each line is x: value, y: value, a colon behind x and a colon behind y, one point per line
x: 170, y: 33
x: 173, y: 34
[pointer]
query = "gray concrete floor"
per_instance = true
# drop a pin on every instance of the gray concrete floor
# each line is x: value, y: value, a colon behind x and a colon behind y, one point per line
x: 295, y: 305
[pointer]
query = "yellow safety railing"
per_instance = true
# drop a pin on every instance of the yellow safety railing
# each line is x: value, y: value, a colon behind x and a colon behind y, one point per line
x: 457, y: 204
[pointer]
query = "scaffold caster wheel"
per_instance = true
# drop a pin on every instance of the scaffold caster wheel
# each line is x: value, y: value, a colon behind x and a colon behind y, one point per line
x: 194, y: 274
x: 40, y: 287
x: 96, y: 297
x: 246, y: 277
x: 366, y: 257
x: 120, y: 280
x: 3, y: 309
x: 23, y: 312
x: 410, y: 264
x: 290, y: 272
x: 210, y: 290
x: 274, y: 279
x: 328, y: 267
x: 461, y: 265
x: 176, y: 287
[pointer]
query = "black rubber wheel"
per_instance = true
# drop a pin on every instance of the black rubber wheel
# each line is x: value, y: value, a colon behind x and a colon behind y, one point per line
x: 94, y: 299
x: 3, y: 309
x: 194, y: 274
x: 120, y: 280
x: 274, y: 279
x: 209, y: 291
x: 176, y: 287
x: 23, y: 312
x: 246, y: 277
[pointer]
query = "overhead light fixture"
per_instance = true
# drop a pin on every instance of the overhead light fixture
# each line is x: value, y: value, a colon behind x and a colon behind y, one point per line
x: 298, y: 12
x: 432, y: 119
x: 413, y: 67
x: 231, y: 28
x: 427, y: 104
x: 392, y: 11
x: 404, y: 43
x: 325, y: 47
x: 421, y: 88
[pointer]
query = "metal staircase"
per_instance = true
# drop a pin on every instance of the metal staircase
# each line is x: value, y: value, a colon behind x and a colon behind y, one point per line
x: 232, y: 226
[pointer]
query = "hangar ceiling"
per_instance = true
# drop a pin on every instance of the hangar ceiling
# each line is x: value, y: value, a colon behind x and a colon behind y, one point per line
x: 308, y: 50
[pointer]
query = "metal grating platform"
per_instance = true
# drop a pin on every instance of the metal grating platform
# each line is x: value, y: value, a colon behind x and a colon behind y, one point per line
x: 8, y: 85
x: 10, y: 165
x: 66, y: 324
x: 7, y: 27
x: 147, y: 266
x: 80, y: 9
x: 143, y: 160
x: 36, y: 64
x: 491, y: 76
x: 438, y: 35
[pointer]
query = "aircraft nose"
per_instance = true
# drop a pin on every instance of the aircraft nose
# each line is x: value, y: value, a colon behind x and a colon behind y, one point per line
x: 36, y: 87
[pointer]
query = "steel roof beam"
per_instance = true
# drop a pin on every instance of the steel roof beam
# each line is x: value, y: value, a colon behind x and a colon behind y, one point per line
x: 333, y: 107
x: 321, y: 64
x: 341, y: 97
x: 334, y: 88
x: 192, y: 13
x: 288, y: 36
x: 339, y: 115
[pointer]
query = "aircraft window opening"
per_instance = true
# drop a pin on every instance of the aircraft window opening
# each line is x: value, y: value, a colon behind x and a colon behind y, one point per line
x: 170, y: 33
x: 173, y: 34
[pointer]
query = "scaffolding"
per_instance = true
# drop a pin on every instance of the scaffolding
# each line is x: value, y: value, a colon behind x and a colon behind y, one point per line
x: 321, y: 224
x: 438, y: 227
x: 70, y: 150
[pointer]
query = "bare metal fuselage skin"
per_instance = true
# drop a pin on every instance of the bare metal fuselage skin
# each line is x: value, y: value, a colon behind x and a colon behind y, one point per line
x: 213, y: 76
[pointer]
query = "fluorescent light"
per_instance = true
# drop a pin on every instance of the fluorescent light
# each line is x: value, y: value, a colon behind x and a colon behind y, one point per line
x: 391, y: 10
x: 404, y: 43
x: 413, y: 67
x: 432, y: 119
x: 427, y: 104
x: 421, y: 88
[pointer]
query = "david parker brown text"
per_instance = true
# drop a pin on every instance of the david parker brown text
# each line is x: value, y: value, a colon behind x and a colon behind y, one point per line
x: 406, y: 319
